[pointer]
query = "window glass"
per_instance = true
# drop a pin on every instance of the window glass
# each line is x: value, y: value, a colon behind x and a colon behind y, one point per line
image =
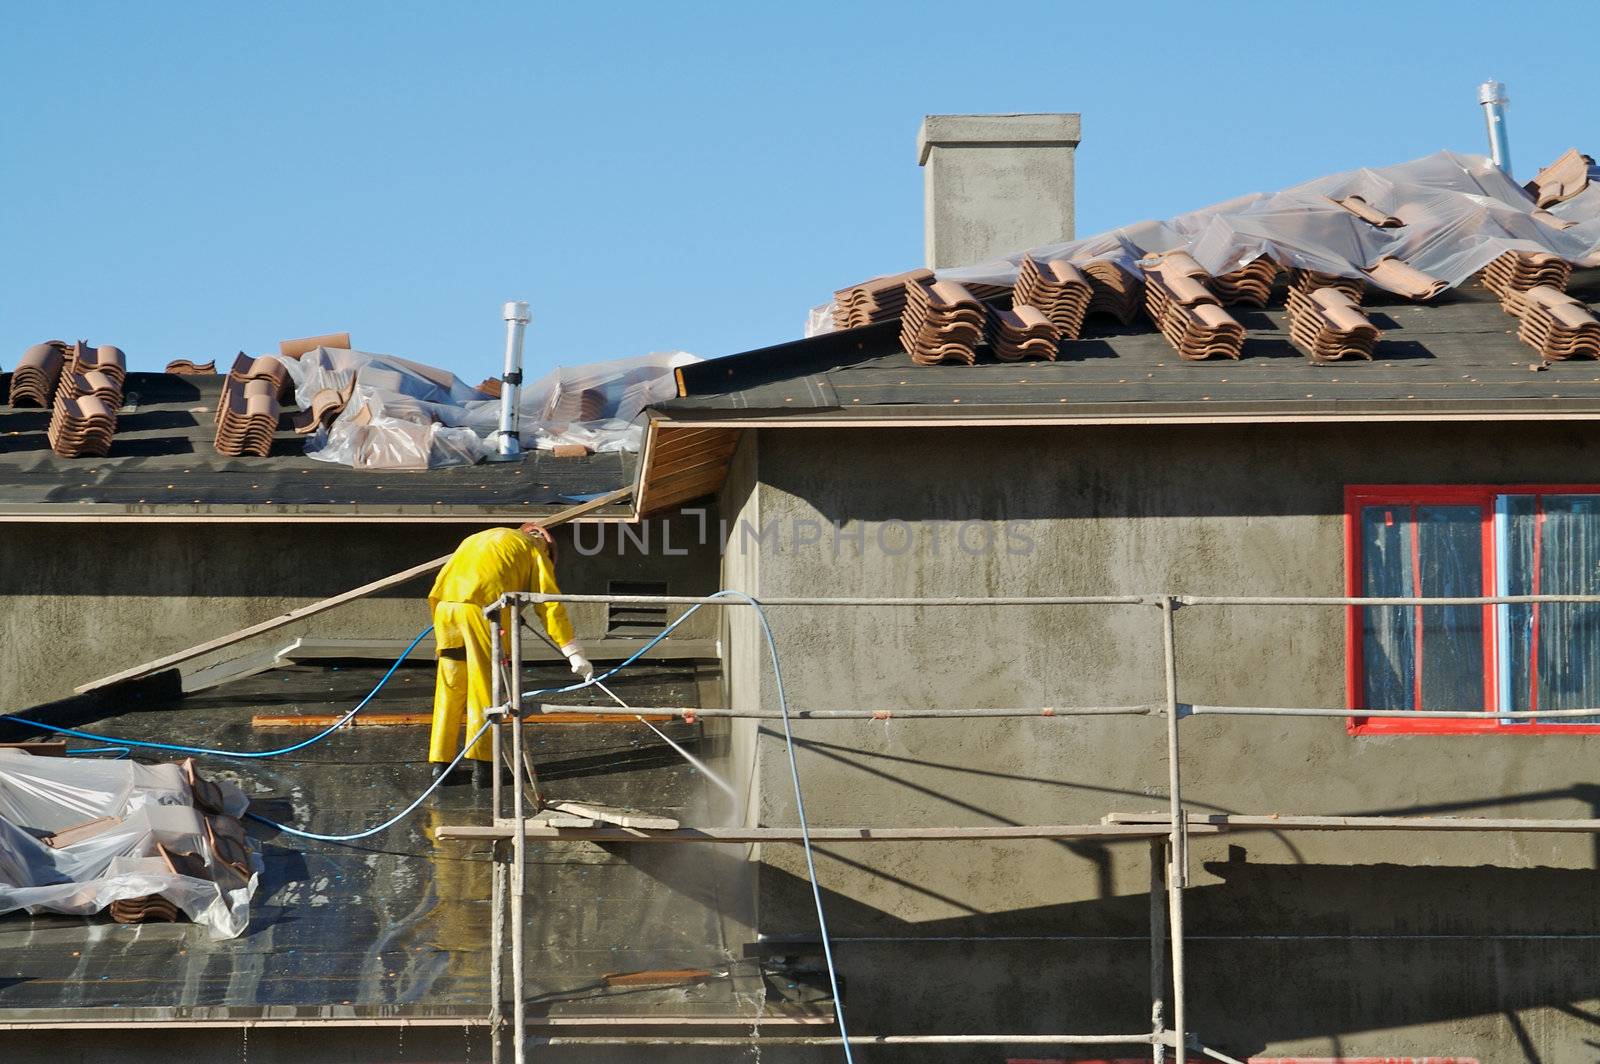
x: 1418, y: 657
x: 1567, y: 659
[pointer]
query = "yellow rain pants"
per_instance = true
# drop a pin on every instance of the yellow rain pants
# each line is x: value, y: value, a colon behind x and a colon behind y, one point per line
x: 461, y: 634
x: 486, y: 565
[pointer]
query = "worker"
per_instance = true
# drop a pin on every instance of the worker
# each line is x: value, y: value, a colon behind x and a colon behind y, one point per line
x: 485, y: 566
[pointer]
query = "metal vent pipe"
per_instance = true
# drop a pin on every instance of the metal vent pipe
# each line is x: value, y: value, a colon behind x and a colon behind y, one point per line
x: 517, y: 318
x: 1492, y: 95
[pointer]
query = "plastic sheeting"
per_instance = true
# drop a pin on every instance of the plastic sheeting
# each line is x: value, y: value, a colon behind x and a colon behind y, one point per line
x: 1461, y: 212
x: 147, y: 805
x: 405, y: 415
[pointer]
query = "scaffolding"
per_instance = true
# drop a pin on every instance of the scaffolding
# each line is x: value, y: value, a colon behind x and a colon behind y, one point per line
x: 1168, y: 833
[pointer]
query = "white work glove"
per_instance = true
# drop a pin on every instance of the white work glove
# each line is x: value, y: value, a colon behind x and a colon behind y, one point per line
x: 580, y: 664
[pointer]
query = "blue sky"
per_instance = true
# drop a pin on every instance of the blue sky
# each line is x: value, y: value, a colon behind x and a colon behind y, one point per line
x: 189, y: 180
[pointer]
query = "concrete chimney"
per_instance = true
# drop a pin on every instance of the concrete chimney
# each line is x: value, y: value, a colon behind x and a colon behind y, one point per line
x: 995, y: 184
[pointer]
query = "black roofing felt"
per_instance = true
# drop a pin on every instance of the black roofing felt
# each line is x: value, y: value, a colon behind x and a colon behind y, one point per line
x: 397, y: 924
x: 1458, y: 354
x: 163, y: 462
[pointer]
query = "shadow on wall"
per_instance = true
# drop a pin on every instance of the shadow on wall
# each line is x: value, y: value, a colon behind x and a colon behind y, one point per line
x: 1275, y: 953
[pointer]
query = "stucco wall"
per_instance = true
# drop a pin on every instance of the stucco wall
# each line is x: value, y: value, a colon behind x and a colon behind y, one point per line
x: 84, y: 601
x: 1308, y: 943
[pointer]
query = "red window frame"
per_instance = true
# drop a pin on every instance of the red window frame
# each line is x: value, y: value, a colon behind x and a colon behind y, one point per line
x: 1483, y: 496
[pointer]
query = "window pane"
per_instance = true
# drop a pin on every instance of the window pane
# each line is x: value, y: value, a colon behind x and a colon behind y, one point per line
x: 1388, y: 637
x: 1569, y: 633
x: 1450, y: 540
x: 1516, y: 578
x: 1428, y: 551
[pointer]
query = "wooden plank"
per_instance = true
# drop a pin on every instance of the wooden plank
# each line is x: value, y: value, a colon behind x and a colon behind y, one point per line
x: 39, y: 747
x: 324, y: 605
x: 675, y: 441
x: 721, y: 447
x: 405, y: 720
x: 610, y: 814
x: 535, y: 833
x: 657, y: 496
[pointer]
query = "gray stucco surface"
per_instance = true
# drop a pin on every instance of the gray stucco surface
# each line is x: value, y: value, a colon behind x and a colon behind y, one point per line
x: 1321, y: 944
x: 995, y: 183
x: 84, y: 601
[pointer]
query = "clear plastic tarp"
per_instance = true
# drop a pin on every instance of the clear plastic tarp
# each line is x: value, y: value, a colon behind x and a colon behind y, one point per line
x: 77, y: 835
x: 405, y: 415
x: 1461, y: 212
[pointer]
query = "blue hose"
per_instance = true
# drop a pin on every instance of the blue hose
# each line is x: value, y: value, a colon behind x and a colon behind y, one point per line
x: 243, y: 754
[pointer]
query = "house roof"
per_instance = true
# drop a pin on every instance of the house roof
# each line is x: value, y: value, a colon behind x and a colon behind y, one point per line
x: 1458, y: 356
x: 163, y: 465
x: 398, y: 925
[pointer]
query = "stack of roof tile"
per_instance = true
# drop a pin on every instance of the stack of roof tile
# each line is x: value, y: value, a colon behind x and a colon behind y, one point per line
x: 1328, y: 325
x: 1250, y: 285
x: 943, y: 322
x: 1023, y: 333
x: 247, y: 418
x: 1561, y: 180
x: 101, y: 385
x: 81, y: 427
x: 1113, y: 290
x: 143, y: 910
x: 987, y: 292
x: 1186, y: 312
x: 1519, y: 271
x: 1311, y: 280
x: 1404, y: 279
x: 1556, y: 325
x: 184, y: 367
x: 265, y: 368
x: 33, y: 382
x: 104, y: 359
x: 1058, y: 289
x: 879, y: 299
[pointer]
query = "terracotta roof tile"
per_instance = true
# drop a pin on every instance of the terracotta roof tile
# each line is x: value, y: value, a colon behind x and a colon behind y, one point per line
x: 943, y: 322
x: 97, y: 383
x: 305, y: 345
x: 1561, y: 180
x: 247, y: 417
x: 142, y: 910
x: 1310, y: 280
x: 1519, y: 271
x: 1186, y: 312
x: 1116, y: 292
x: 1022, y: 333
x: 81, y: 427
x: 105, y: 358
x: 1250, y: 285
x: 33, y: 382
x: 1398, y: 277
x: 265, y: 368
x: 875, y: 300
x: 1359, y: 207
x: 1058, y: 289
x: 184, y: 367
x: 327, y: 403
x: 1555, y: 324
x: 1328, y: 325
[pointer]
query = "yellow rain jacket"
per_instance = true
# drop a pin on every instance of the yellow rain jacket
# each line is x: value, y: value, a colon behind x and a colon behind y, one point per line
x: 486, y: 565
